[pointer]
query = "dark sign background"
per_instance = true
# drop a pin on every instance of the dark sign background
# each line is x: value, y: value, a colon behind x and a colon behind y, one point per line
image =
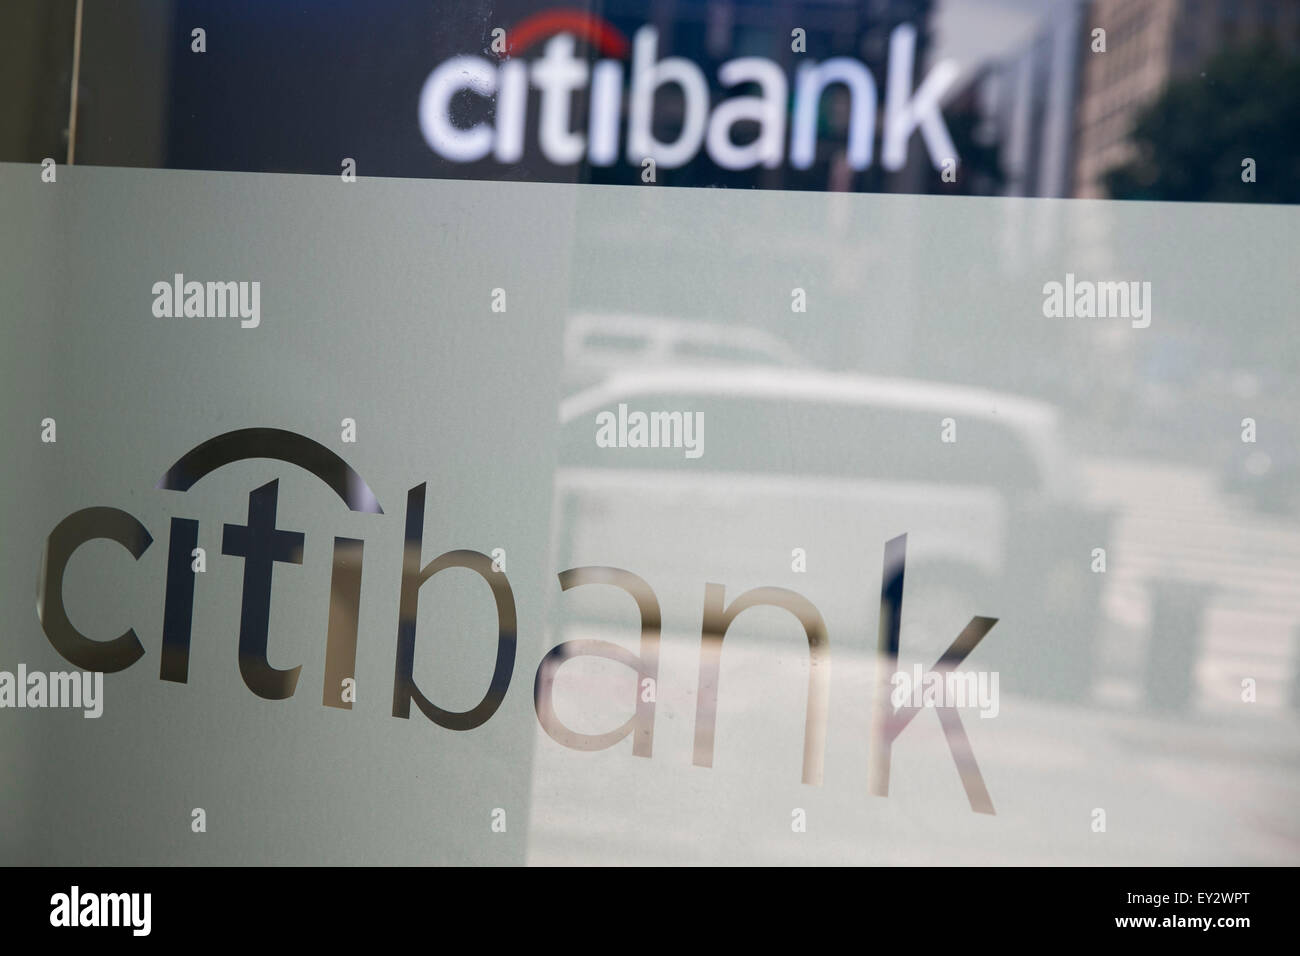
x: 297, y: 87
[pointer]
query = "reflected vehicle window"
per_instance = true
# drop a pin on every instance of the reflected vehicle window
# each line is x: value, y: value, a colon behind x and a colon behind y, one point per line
x: 714, y: 351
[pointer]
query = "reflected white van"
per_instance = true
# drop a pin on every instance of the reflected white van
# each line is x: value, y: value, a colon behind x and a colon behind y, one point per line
x: 805, y: 474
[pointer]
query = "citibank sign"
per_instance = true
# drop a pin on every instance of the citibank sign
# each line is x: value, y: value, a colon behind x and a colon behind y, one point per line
x: 263, y: 544
x: 610, y: 83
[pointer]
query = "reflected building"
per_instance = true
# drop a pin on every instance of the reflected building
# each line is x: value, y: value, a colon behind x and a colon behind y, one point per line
x: 1013, y: 119
x: 1150, y: 43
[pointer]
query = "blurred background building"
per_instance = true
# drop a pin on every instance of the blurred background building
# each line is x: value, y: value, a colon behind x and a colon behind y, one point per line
x: 1149, y: 45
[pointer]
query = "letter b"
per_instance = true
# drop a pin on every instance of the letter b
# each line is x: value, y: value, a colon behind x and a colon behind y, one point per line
x: 413, y: 577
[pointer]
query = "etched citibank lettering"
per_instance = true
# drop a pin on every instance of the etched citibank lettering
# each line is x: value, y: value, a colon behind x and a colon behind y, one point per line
x: 262, y: 545
x: 208, y: 300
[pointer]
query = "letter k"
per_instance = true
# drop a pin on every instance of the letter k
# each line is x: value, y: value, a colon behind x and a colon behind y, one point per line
x: 887, y: 726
